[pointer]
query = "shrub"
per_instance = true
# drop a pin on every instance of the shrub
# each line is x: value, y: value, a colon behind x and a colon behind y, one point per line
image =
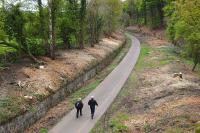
x: 35, y: 46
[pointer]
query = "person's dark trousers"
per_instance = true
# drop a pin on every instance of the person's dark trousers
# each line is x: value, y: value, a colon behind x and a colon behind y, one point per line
x: 92, y: 112
x: 79, y: 111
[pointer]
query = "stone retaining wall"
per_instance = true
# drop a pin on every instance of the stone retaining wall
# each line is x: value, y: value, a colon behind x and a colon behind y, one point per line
x: 20, y: 123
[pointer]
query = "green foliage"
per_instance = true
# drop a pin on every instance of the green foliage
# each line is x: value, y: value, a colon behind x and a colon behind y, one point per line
x: 197, y: 127
x: 171, y: 17
x: 113, y: 9
x: 43, y: 130
x: 36, y: 31
x: 145, y: 50
x: 73, y: 39
x: 125, y: 19
x: 147, y: 127
x: 183, y: 23
x: 95, y: 21
x: 31, y: 26
x: 68, y: 24
x: 184, y: 26
x: 4, y: 50
x: 14, y: 25
x: 35, y: 46
x: 117, y: 124
x: 146, y: 12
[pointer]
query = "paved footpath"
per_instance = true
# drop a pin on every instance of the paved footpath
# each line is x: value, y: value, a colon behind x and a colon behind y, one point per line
x: 105, y: 94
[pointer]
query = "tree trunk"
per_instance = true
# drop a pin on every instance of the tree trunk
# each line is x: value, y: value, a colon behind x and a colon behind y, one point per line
x: 51, y: 29
x: 145, y: 13
x: 137, y: 16
x: 42, y: 27
x: 82, y: 19
x: 160, y: 11
x: 91, y: 33
x: 152, y: 17
x: 81, y: 46
x: 195, y: 64
x: 41, y: 17
x: 96, y: 28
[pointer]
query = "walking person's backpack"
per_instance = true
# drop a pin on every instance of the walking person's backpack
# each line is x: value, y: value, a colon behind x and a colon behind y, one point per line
x: 77, y: 104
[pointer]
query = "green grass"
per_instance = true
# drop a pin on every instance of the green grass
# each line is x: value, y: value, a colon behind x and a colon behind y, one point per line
x: 147, y: 127
x: 190, y: 63
x: 197, y: 127
x: 43, y: 130
x: 170, y: 54
x: 117, y: 124
x: 145, y: 51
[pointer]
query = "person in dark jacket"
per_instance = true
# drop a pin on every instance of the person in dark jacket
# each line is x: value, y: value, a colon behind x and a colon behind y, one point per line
x: 92, y: 103
x: 79, y: 107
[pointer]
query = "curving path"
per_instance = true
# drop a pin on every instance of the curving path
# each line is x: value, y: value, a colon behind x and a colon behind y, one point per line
x: 105, y: 94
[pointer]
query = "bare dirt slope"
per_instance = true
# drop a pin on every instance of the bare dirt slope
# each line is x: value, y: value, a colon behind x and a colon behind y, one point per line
x: 67, y: 65
x: 164, y: 103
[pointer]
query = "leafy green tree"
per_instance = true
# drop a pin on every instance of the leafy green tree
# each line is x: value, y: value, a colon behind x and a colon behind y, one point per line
x: 146, y: 12
x: 82, y: 23
x: 113, y: 10
x: 42, y: 26
x: 194, y: 48
x: 171, y: 17
x: 32, y: 28
x: 130, y: 8
x: 69, y: 24
x: 52, y: 8
x: 125, y: 19
x: 187, y: 27
x: 94, y: 21
x: 2, y: 20
x: 14, y: 26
